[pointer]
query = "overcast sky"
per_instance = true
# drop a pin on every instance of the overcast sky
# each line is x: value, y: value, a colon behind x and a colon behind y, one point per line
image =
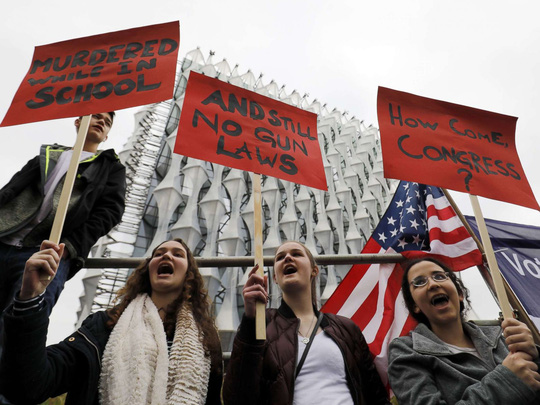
x: 480, y: 53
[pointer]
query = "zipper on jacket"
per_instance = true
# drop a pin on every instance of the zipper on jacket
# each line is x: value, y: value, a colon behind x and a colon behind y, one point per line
x: 295, y: 358
x: 93, y: 345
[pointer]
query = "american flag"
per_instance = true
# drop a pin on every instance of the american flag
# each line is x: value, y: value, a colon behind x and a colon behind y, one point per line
x: 419, y: 221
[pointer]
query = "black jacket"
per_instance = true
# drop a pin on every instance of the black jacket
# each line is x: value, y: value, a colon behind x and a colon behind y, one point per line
x: 30, y: 372
x: 267, y: 367
x: 96, y: 204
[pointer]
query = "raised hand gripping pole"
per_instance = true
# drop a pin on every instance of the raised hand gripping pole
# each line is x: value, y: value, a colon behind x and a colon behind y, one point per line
x: 260, y: 321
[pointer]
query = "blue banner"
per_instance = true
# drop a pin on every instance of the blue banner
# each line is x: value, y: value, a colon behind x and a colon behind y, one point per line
x: 517, y: 249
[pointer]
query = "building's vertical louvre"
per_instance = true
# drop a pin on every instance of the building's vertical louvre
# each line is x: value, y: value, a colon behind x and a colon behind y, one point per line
x: 210, y: 206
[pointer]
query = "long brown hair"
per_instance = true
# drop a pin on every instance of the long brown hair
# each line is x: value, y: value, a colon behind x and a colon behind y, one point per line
x: 193, y: 292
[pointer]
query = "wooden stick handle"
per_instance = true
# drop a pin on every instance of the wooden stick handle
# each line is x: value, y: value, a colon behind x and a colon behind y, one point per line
x: 260, y: 321
x: 484, y: 272
x: 58, y: 224
x: 492, y: 261
x: 463, y: 219
x: 60, y: 216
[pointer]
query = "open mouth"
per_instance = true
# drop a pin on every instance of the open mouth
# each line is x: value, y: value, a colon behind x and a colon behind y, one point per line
x: 164, y: 268
x: 289, y: 270
x: 439, y: 300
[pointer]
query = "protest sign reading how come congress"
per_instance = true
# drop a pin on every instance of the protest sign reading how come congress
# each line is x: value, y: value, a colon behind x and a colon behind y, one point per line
x: 234, y: 127
x: 449, y: 145
x: 98, y: 73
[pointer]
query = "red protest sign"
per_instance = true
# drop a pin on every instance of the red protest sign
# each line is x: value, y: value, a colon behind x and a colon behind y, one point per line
x: 234, y: 127
x: 453, y: 146
x: 98, y: 73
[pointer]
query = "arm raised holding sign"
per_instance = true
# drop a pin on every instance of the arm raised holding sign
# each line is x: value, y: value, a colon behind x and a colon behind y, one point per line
x: 337, y: 367
x: 158, y: 345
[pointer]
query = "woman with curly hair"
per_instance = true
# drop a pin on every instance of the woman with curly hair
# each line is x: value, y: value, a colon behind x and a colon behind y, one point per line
x: 159, y: 345
x: 447, y: 360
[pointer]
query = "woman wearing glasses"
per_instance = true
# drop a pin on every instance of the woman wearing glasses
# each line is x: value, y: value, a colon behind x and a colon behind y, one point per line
x: 447, y: 360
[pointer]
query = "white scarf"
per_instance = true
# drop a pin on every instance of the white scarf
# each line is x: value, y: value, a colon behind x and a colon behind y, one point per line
x: 136, y: 368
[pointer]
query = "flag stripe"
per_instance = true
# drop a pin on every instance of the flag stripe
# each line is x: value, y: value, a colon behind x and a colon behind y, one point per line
x: 419, y: 221
x: 359, y: 293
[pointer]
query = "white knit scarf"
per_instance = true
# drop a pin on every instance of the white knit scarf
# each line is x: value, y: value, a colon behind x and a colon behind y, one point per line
x: 136, y: 368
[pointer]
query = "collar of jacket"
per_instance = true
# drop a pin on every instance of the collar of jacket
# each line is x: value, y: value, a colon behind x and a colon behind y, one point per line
x: 285, y: 311
x: 108, y: 153
x: 425, y: 341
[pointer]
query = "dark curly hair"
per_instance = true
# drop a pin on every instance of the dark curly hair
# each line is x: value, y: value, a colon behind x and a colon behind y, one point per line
x: 193, y: 293
x: 407, y: 296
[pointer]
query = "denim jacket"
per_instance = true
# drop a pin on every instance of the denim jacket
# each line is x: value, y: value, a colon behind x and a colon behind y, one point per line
x: 422, y: 370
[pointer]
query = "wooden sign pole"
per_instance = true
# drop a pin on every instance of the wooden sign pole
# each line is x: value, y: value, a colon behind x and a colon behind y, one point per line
x: 260, y: 321
x: 483, y: 269
x: 492, y: 261
x: 60, y: 216
x: 58, y: 224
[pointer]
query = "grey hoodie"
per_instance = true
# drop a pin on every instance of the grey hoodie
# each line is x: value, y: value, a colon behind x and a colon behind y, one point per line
x: 423, y: 371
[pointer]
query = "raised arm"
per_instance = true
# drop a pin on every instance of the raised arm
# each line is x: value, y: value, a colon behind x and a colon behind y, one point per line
x: 243, y: 378
x: 40, y: 269
x: 30, y: 372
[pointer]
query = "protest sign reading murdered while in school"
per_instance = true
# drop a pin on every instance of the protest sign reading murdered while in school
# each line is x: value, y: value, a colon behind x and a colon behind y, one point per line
x: 98, y: 73
x: 234, y: 127
x: 452, y: 146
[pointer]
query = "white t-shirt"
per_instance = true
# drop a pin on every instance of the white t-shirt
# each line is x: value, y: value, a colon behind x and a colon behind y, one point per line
x: 322, y: 379
x: 456, y: 349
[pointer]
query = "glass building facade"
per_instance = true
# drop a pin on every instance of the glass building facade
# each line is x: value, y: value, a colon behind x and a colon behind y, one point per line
x: 210, y: 206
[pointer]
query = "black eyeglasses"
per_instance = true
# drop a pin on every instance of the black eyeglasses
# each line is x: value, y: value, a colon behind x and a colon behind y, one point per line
x: 421, y: 281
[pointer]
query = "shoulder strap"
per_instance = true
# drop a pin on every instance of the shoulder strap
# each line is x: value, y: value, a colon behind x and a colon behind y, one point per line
x: 306, y: 350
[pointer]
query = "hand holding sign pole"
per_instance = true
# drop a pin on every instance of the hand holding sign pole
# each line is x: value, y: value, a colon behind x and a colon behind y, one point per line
x: 456, y: 147
x: 234, y: 127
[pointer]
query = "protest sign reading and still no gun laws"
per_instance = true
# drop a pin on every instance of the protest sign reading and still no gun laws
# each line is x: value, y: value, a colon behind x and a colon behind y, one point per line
x: 452, y: 146
x: 234, y: 127
x: 98, y: 73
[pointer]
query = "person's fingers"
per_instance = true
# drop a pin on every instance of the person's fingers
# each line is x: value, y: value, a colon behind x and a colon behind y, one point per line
x: 255, y: 292
x: 45, y: 264
x: 254, y: 279
x: 254, y: 269
x: 62, y: 247
x: 512, y: 326
x: 254, y: 289
x: 47, y: 244
x: 523, y: 347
